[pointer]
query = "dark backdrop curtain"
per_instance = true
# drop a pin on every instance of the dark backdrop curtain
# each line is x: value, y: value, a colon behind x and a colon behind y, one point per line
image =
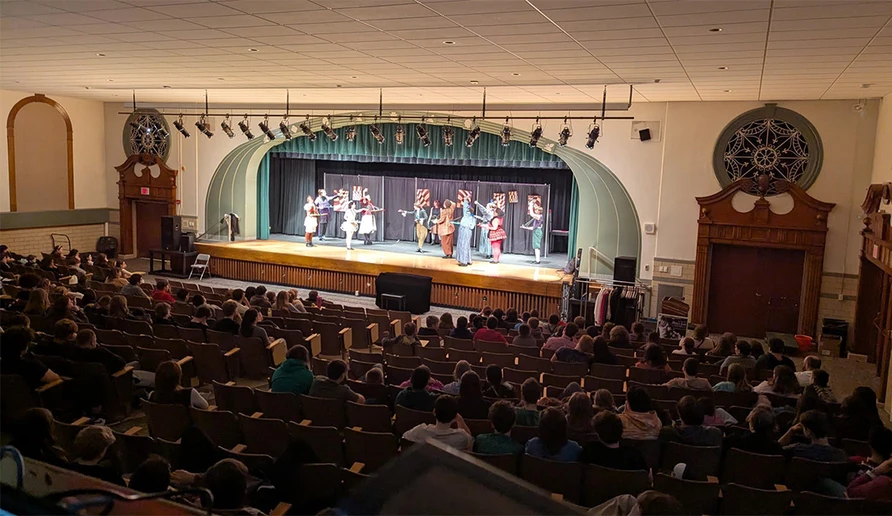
x: 399, y: 194
x: 333, y: 182
x: 290, y: 182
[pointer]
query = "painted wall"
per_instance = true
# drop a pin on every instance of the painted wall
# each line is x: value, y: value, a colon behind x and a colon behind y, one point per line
x: 90, y: 171
x: 41, y: 158
x: 882, y: 158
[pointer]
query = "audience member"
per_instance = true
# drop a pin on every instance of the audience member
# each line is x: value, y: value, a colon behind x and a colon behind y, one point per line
x: 821, y: 385
x: 604, y: 401
x: 687, y: 347
x: 258, y: 300
x: 250, y: 328
x: 430, y: 326
x: 775, y: 356
x: 227, y: 480
x: 231, y: 320
x: 133, y: 287
x: 447, y: 414
x: 446, y: 321
x: 607, y: 451
x: 524, y: 337
x: 601, y: 353
x: 495, y: 387
x: 32, y: 435
x: 499, y: 442
x: 690, y: 380
x: 528, y: 411
x: 725, y: 347
x: 619, y: 337
x: 14, y: 360
x: 606, y: 329
x: 757, y: 350
x: 64, y: 307
x: 282, y: 304
x: 511, y: 320
x: 38, y: 303
x: 581, y: 353
x: 689, y: 429
x: 735, y: 381
x: 702, y: 341
x: 293, y: 375
x: 580, y: 413
x: 782, y: 383
x: 168, y: 388
x: 552, y: 442
x: 200, y: 320
x: 813, y: 427
x: 640, y: 420
x: 116, y: 278
x: 182, y: 296
x: 810, y: 364
x: 407, y: 338
x: 416, y: 396
x: 637, y: 335
x: 653, y: 358
x: 858, y: 416
x: 490, y: 333
x: 91, y: 444
x: 461, y: 367
x: 470, y: 397
x: 760, y: 438
x: 162, y: 291
x: 535, y: 329
x: 567, y: 340
x: 152, y: 476
x: 553, y: 324
x: 741, y: 356
x: 333, y: 384
x: 162, y: 315
x: 461, y: 329
x: 874, y: 478
x: 715, y: 416
x: 85, y: 350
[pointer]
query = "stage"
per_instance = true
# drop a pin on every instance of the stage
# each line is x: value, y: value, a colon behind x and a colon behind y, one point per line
x: 330, y: 266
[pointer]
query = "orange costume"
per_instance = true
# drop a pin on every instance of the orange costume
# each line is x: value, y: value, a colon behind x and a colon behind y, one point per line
x: 445, y: 228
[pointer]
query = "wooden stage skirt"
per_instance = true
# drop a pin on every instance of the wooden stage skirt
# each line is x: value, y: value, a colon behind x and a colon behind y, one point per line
x: 336, y: 269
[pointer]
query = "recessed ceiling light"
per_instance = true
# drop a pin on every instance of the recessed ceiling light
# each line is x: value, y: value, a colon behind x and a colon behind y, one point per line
x: 253, y: 50
x: 166, y: 87
x: 110, y: 80
x: 723, y: 68
x: 727, y: 91
x: 657, y: 80
x: 448, y: 42
x: 716, y: 29
x: 100, y: 55
x: 558, y: 93
x: 337, y: 85
x: 86, y: 87
x: 354, y: 77
x: 475, y: 82
x: 221, y: 78
x: 515, y: 74
x: 866, y: 85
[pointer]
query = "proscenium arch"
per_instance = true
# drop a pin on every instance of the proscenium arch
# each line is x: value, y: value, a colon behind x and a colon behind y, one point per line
x: 10, y: 145
x: 606, y: 216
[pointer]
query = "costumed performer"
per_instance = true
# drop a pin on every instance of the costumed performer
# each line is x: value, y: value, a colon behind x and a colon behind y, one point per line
x: 367, y: 224
x: 420, y: 224
x: 323, y: 207
x: 535, y: 225
x: 349, y: 225
x: 432, y: 222
x: 445, y: 227
x: 483, y: 245
x: 465, y: 232
x: 497, y: 234
x: 310, y: 221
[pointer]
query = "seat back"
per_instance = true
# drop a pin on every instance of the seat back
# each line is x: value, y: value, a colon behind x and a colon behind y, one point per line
x: 191, y: 334
x: 397, y: 375
x: 254, y: 358
x: 479, y: 426
x: 431, y: 353
x: 608, y: 372
x: 328, y: 333
x: 225, y: 340
x: 650, y: 376
x: 221, y: 426
x: 278, y: 405
x: 370, y: 418
x: 325, y: 441
x: 471, y: 356
x: 531, y: 363
x: 742, y: 500
x: 366, y: 356
x: 114, y: 337
x: 601, y: 484
x: 407, y: 419
x: 651, y: 449
x: 210, y: 364
x: 166, y: 421
x: 134, y: 327
x: 439, y: 367
x: 486, y: 346
x: 132, y: 450
x: 150, y: 358
x: 702, y: 461
x: 360, y: 334
x: 564, y: 478
x: 373, y: 449
x: 696, y: 497
x: 554, y: 380
x: 804, y: 474
x: 575, y: 369
x: 454, y: 343
x: 591, y: 384
x: 323, y: 411
x: 264, y: 436
x: 507, y: 462
x: 373, y: 392
x: 753, y: 469
x: 499, y: 359
x: 817, y: 504
x: 518, y: 376
x: 358, y: 369
x: 405, y: 362
x: 258, y: 464
x: 237, y: 399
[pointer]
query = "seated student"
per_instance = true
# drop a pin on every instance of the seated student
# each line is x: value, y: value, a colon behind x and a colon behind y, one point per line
x: 32, y: 435
x: 64, y: 307
x: 133, y: 287
x: 495, y: 387
x: 461, y: 367
x: 238, y: 295
x: 430, y: 326
x: 116, y: 278
x: 162, y: 315
x: 227, y: 480
x: 162, y: 291
x: 687, y: 348
x: 608, y: 452
x: 152, y: 476
x: 814, y: 427
x: 580, y: 414
x: 446, y: 413
x: 535, y: 328
x: 690, y: 380
x: 701, y: 338
x: 525, y: 338
x: 859, y: 414
x: 461, y: 330
x: 14, y: 360
x: 182, y: 296
x: 86, y: 350
x: 258, y: 300
x: 689, y: 429
x: 511, y: 320
x: 640, y: 420
x: 581, y: 353
x: 775, y: 356
x: 725, y: 347
x: 760, y: 439
x: 314, y: 299
x: 552, y: 442
x: 567, y: 340
x: 293, y: 375
x: 199, y: 300
x: 231, y: 320
x: 490, y: 333
x: 810, y: 364
x: 735, y: 381
x: 92, y: 444
x: 416, y: 395
x: 250, y: 328
x: 528, y: 410
x: 821, y: 385
x: 873, y: 480
x: 782, y: 383
x: 200, y: 320
x: 603, y: 400
x: 715, y: 416
x: 470, y: 397
x: 499, y: 442
x: 38, y: 303
x: 333, y: 384
x: 408, y: 338
x: 619, y: 337
x: 653, y: 359
x: 283, y: 304
x: 168, y: 377
x: 601, y: 353
x: 637, y: 335
x: 742, y: 356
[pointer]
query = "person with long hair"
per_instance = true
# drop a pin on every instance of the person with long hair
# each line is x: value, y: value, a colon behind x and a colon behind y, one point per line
x: 471, y: 404
x: 653, y: 359
x: 283, y: 304
x: 32, y: 436
x: 725, y: 347
x: 367, y: 224
x: 118, y: 307
x: 446, y: 322
x: 249, y: 327
x: 619, y: 337
x: 579, y: 417
x: 859, y: 414
x: 466, y: 226
x: 735, y: 381
x: 311, y: 221
x: 168, y: 388
x: 116, y: 277
x: 701, y: 338
x: 38, y: 303
x: 496, y: 234
x: 63, y: 307
x: 603, y: 400
x: 640, y: 420
x: 782, y: 383
x: 553, y: 442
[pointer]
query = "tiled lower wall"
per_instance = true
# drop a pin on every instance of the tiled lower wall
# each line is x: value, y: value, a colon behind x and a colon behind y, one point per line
x: 37, y: 240
x: 833, y: 285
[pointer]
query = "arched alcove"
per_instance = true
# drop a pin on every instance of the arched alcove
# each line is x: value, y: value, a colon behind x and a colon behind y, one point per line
x: 605, y: 217
x: 41, y: 156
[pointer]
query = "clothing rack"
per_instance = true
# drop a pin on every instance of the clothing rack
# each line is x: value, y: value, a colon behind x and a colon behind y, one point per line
x: 637, y: 289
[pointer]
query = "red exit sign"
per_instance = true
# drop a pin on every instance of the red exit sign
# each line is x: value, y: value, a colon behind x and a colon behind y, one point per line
x: 144, y: 190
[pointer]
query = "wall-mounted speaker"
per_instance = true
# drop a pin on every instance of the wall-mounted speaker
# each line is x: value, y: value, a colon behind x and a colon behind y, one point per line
x: 644, y: 134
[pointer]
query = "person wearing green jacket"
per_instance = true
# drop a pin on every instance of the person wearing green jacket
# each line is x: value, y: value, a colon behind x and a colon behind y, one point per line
x: 293, y: 375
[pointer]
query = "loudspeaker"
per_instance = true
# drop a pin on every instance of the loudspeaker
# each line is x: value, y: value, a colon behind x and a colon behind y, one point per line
x: 107, y: 245
x: 624, y: 268
x: 170, y: 232
x: 187, y: 242
x: 644, y: 134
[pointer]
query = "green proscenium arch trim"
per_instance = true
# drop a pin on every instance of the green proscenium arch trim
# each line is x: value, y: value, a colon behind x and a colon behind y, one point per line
x: 604, y: 215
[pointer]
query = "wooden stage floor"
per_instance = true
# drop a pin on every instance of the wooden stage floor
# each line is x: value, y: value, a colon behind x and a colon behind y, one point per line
x: 369, y: 262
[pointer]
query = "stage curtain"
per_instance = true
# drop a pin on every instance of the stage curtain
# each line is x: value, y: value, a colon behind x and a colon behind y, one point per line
x: 347, y: 181
x: 574, y: 220
x: 399, y: 194
x: 519, y: 241
x: 263, y: 200
x: 290, y: 182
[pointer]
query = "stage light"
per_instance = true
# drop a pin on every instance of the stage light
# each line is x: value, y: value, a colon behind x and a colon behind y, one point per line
x: 448, y: 134
x: 564, y: 134
x: 283, y: 126
x: 178, y: 123
x: 399, y: 135
x: 350, y: 133
x: 226, y: 125
x: 421, y: 131
x: 506, y: 134
x: 535, y: 133
x: 305, y: 128
x: 594, y: 132
x: 204, y: 126
x: 245, y: 126
x: 326, y: 128
x: 376, y: 132
x: 473, y: 134
x: 264, y: 126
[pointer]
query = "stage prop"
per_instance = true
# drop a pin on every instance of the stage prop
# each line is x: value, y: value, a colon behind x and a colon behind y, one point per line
x: 415, y: 291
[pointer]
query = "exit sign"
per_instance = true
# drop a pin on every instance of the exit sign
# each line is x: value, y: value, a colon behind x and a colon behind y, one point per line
x: 144, y: 190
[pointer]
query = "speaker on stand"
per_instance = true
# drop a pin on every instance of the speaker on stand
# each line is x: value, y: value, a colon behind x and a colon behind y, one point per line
x: 170, y: 232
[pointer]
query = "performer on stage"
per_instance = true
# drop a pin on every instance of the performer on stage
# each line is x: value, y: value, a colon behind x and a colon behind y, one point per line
x: 420, y: 224
x: 465, y: 233
x: 497, y: 234
x: 445, y: 227
x: 367, y: 224
x: 323, y: 207
x: 349, y: 225
x: 310, y: 221
x: 486, y: 215
x: 535, y: 225
x: 433, y: 224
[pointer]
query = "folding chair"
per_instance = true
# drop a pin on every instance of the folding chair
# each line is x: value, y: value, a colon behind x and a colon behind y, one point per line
x: 202, y: 263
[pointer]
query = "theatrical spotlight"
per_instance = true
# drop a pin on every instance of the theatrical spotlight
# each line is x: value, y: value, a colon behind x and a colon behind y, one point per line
x: 535, y: 133
x: 204, y: 126
x: 421, y: 131
x: 473, y: 134
x: 448, y: 135
x: 565, y: 133
x: 178, y: 123
x: 226, y: 125
x: 326, y: 128
x: 264, y: 126
x: 245, y: 126
x: 594, y: 132
x: 350, y: 132
x: 399, y: 135
x: 305, y: 128
x: 506, y: 134
x: 376, y: 132
x: 283, y: 126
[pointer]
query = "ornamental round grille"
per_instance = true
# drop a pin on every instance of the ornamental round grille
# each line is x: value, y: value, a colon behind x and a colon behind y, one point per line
x: 147, y: 132
x: 770, y: 140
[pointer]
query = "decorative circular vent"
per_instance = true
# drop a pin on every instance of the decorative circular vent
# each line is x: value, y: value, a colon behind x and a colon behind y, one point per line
x: 771, y: 140
x: 147, y: 132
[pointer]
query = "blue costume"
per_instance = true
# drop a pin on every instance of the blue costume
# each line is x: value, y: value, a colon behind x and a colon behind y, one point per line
x: 465, y: 232
x: 484, y: 246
